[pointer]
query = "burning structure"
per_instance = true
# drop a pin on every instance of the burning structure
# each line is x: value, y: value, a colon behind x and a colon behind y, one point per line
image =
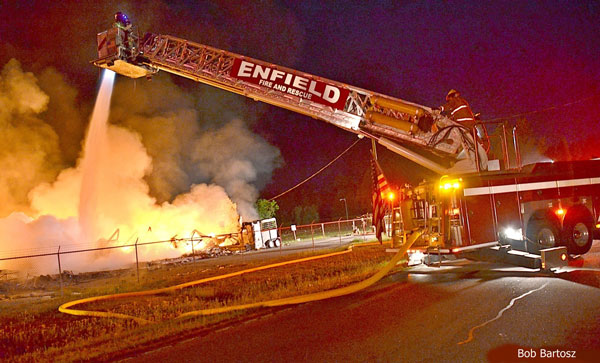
x: 151, y: 173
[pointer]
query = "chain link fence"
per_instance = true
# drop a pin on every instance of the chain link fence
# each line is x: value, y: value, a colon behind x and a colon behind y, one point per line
x: 65, y: 257
x: 359, y: 227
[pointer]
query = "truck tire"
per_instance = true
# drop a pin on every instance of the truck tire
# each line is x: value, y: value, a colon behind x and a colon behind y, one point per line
x: 578, y: 231
x: 277, y: 242
x: 543, y: 233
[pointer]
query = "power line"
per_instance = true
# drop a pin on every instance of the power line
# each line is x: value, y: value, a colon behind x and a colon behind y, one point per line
x: 318, y: 171
x: 542, y: 110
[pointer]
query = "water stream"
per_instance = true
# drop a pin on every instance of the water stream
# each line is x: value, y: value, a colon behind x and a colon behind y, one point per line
x: 94, y: 149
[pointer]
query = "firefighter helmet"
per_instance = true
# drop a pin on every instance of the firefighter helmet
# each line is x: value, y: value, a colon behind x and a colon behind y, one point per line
x: 122, y: 21
x: 452, y: 93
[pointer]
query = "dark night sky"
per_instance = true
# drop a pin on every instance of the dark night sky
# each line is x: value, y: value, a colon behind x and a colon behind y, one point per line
x: 506, y: 58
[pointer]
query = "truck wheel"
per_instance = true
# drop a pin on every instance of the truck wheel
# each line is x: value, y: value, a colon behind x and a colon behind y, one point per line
x: 543, y: 233
x: 277, y: 242
x: 578, y: 231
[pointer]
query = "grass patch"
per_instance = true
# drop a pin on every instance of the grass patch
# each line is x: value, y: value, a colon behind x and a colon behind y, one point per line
x: 38, y: 332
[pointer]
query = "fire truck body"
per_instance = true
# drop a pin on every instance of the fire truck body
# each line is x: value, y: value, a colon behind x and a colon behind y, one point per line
x: 540, y: 206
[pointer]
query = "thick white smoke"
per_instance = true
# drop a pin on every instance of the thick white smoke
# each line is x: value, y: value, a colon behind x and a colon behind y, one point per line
x: 185, y: 150
x: 242, y: 161
x: 29, y: 147
x: 160, y: 176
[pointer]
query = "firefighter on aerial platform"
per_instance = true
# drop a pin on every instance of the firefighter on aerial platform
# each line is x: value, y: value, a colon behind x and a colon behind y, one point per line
x: 124, y: 35
x: 457, y: 109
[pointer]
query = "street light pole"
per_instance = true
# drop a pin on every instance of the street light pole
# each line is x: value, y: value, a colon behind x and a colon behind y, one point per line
x: 346, y: 206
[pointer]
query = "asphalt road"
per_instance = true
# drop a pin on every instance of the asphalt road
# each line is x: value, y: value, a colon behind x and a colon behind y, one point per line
x: 462, y: 311
x: 295, y: 247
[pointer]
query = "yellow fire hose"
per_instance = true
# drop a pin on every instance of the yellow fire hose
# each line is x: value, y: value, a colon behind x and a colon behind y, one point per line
x: 65, y: 308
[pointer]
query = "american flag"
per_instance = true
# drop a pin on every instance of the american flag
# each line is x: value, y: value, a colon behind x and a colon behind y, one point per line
x: 380, y: 190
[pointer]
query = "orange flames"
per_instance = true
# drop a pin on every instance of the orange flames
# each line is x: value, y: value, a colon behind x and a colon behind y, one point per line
x: 107, y: 191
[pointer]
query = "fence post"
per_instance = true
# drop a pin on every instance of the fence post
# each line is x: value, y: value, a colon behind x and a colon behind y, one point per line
x: 364, y: 226
x: 340, y: 230
x: 323, y: 228
x: 193, y: 252
x: 312, y: 235
x: 137, y: 261
x: 194, y: 232
x: 280, y: 238
x: 243, y: 250
x: 60, y: 271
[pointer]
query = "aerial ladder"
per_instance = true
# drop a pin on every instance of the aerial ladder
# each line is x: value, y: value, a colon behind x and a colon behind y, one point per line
x: 416, y: 132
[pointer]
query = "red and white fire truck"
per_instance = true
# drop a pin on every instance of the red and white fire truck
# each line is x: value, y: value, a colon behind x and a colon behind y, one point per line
x: 516, y: 216
x: 521, y: 214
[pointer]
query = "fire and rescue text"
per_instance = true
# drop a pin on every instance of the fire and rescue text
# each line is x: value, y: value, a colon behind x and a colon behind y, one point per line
x: 290, y: 83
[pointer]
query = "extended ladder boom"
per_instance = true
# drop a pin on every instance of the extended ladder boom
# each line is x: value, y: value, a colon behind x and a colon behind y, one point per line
x: 391, y: 121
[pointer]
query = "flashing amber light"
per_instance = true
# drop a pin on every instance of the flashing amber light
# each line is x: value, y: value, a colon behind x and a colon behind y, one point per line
x: 598, y: 225
x: 445, y: 186
x: 560, y: 212
x: 563, y: 257
x: 451, y: 184
x: 391, y: 196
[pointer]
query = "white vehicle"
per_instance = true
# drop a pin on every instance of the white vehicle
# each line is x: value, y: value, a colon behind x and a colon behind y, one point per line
x: 265, y: 233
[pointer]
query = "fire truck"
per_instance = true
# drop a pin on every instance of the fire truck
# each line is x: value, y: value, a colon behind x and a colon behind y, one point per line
x: 529, y: 215
x: 523, y: 216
